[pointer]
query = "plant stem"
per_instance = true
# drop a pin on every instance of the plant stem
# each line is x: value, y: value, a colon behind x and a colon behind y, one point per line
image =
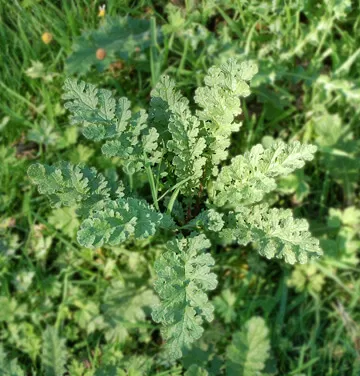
x: 154, y: 54
x: 62, y: 304
x: 152, y: 186
x: 183, y: 58
x: 172, y: 200
x: 178, y: 185
x: 131, y: 182
x: 324, y: 194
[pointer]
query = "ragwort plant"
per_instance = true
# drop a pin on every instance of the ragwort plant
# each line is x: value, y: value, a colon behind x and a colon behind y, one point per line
x: 197, y: 200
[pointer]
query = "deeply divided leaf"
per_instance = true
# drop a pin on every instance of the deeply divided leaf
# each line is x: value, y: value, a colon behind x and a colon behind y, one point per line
x: 183, y: 277
x: 54, y: 353
x: 102, y: 117
x: 219, y: 101
x: 249, y: 349
x: 9, y: 367
x: 275, y: 232
x: 71, y: 185
x: 118, y: 221
x: 250, y: 176
x: 184, y: 141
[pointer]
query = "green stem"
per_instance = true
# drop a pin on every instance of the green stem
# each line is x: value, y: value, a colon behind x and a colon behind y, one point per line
x: 154, y: 55
x: 324, y: 193
x: 131, y: 182
x: 152, y: 186
x: 22, y: 99
x: 62, y: 304
x: 184, y: 55
x: 174, y: 187
x: 172, y: 200
x: 171, y: 40
x: 323, y: 38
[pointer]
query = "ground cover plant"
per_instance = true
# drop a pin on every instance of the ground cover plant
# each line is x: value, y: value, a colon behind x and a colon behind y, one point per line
x: 180, y: 154
x: 73, y: 306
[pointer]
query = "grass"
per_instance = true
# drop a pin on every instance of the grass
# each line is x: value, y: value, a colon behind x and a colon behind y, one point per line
x: 47, y: 279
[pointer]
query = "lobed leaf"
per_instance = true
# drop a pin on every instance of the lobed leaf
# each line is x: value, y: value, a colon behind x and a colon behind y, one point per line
x: 275, y: 232
x: 219, y: 101
x: 250, y: 176
x: 103, y: 118
x: 70, y: 185
x: 208, y: 220
x: 183, y: 277
x: 184, y: 142
x: 195, y: 370
x: 54, y: 353
x: 164, y: 97
x: 93, y: 108
x: 249, y: 349
x: 118, y: 221
x: 9, y: 367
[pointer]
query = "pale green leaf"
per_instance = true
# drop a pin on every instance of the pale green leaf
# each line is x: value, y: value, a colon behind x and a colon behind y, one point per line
x: 195, y: 370
x: 9, y: 367
x: 169, y: 108
x: 183, y: 277
x: 102, y: 117
x: 65, y: 219
x: 90, y: 105
x: 250, y: 176
x: 54, y: 353
x: 219, y: 101
x: 123, y: 307
x: 118, y: 221
x: 136, y: 144
x: 249, y: 349
x: 163, y: 98
x: 275, y: 232
x: 306, y: 277
x: 208, y: 220
x: 70, y: 185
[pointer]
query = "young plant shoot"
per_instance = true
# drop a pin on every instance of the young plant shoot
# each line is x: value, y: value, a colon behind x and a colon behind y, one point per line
x: 194, y: 198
